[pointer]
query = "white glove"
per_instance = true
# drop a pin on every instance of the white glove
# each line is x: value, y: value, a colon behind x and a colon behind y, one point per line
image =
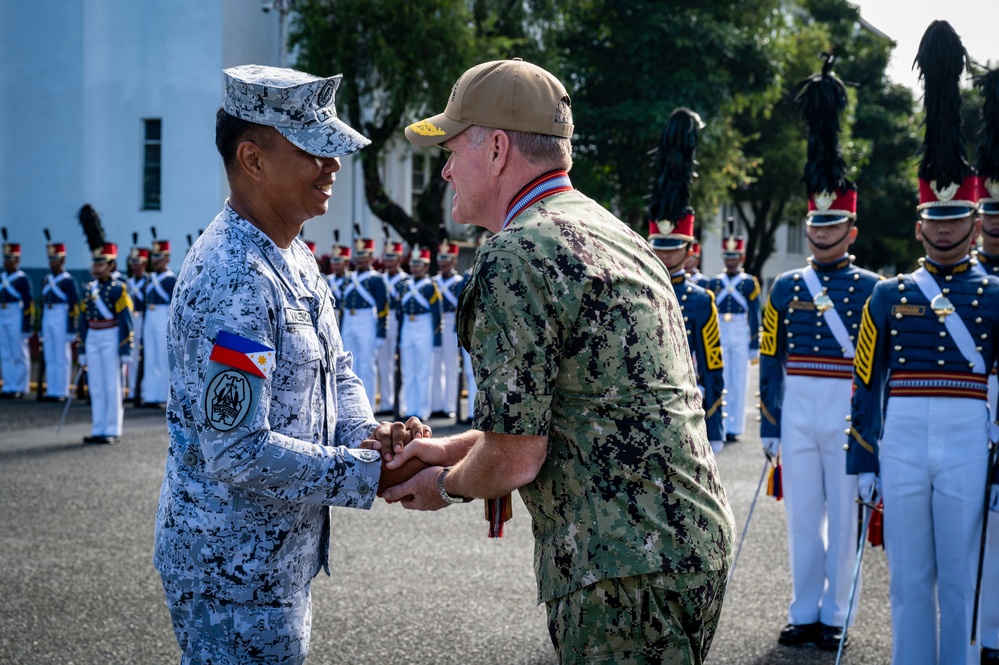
x: 771, y: 446
x: 994, y: 498
x: 868, y: 485
x: 82, y: 359
x: 717, y: 446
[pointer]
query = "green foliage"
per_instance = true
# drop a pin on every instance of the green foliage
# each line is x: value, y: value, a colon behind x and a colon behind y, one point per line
x: 629, y: 63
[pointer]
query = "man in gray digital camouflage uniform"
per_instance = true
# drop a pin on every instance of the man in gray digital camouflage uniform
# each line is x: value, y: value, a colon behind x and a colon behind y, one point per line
x: 266, y: 416
x: 587, y: 400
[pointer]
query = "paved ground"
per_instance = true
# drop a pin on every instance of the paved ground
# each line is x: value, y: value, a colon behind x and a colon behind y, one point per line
x: 79, y: 587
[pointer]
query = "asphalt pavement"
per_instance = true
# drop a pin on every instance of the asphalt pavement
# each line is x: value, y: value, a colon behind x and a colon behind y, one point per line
x: 79, y: 587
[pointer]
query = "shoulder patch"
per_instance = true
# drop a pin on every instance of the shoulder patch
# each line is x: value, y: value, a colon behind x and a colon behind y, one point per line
x: 229, y: 395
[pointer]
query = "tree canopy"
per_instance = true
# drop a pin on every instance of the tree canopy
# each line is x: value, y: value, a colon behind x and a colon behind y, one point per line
x: 627, y: 64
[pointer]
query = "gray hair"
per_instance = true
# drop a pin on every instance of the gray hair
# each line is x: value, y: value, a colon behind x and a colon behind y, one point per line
x: 539, y: 149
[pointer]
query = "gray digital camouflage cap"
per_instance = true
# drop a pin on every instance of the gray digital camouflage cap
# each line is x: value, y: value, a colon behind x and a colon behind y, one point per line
x: 299, y: 105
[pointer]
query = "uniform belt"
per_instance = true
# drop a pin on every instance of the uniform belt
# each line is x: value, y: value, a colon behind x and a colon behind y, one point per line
x: 729, y: 317
x: 938, y: 384
x: 102, y: 324
x: 819, y: 366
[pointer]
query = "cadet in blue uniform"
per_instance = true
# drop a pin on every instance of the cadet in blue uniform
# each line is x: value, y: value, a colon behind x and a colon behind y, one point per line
x: 393, y: 276
x: 60, y: 306
x: 920, y: 420
x: 159, y: 294
x: 339, y: 265
x: 671, y: 232
x: 138, y: 280
x: 16, y: 308
x: 444, y: 368
x: 364, y: 314
x: 693, y: 266
x: 987, y: 163
x: 420, y: 309
x: 737, y: 296
x: 106, y: 340
x: 810, y: 325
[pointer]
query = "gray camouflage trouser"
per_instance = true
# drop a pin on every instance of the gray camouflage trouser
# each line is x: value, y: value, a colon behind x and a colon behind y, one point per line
x: 661, y: 619
x: 213, y: 631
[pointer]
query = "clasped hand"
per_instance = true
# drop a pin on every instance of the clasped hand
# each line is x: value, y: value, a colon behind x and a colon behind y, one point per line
x: 409, y: 471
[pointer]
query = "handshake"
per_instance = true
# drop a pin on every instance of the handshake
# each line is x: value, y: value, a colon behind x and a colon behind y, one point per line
x: 411, y: 463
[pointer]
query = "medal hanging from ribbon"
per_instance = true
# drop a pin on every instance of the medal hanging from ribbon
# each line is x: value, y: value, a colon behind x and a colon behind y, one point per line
x: 775, y: 485
x: 876, y: 528
x: 498, y: 511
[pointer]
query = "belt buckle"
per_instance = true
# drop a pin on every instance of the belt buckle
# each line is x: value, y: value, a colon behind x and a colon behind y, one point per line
x: 352, y: 311
x: 412, y: 317
x: 151, y: 306
x: 727, y: 317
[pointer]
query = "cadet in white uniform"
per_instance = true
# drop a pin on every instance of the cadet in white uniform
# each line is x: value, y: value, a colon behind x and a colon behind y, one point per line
x: 265, y: 416
x: 106, y: 340
x: 159, y: 293
x: 16, y: 308
x: 60, y: 306
x: 737, y: 295
x: 393, y: 275
x: 444, y: 368
x: 420, y: 309
x: 138, y: 279
x: 364, y: 312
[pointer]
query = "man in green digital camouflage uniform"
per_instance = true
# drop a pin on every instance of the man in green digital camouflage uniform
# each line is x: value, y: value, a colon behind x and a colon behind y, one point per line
x: 587, y: 398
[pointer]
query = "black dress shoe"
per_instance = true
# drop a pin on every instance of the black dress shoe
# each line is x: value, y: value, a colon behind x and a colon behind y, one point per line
x: 109, y: 439
x: 91, y: 439
x: 830, y: 636
x: 438, y: 414
x: 801, y: 634
x: 732, y: 438
x: 13, y: 395
x: 990, y: 656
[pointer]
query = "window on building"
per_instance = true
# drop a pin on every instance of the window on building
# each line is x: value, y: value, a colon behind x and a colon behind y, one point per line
x: 796, y: 238
x: 152, y: 163
x: 421, y: 175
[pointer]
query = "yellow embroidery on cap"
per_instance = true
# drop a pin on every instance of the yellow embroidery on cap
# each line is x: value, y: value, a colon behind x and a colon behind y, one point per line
x: 424, y: 128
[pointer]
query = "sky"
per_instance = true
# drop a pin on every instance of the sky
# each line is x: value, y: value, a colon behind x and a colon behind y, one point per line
x: 904, y: 21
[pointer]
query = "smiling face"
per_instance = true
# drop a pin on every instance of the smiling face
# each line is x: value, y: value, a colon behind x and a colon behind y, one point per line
x: 294, y: 183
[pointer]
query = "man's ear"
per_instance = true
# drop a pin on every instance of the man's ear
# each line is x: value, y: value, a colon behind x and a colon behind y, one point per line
x: 499, y: 150
x: 249, y: 158
x: 919, y: 230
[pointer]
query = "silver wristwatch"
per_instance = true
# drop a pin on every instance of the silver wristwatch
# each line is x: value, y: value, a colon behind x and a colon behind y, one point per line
x: 450, y: 498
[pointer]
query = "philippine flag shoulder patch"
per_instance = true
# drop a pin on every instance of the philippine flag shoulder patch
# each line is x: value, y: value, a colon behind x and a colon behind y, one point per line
x: 243, y: 354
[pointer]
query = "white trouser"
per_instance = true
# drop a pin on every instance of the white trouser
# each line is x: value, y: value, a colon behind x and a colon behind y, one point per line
x: 104, y: 380
x: 444, y: 370
x: 386, y: 365
x: 155, y: 373
x: 359, y: 331
x: 933, y: 458
x: 819, y: 498
x: 57, y: 349
x: 15, y: 358
x: 132, y: 360
x: 469, y: 382
x: 414, y: 353
x: 735, y: 355
x: 989, y: 607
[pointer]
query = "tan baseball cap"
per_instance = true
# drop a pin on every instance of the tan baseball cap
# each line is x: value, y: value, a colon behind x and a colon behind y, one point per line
x: 503, y: 94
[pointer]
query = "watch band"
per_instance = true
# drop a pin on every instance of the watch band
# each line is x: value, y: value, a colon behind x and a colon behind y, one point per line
x: 450, y: 498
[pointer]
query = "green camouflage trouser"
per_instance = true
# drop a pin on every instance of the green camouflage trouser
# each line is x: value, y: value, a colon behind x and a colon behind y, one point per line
x: 212, y: 631
x: 664, y: 618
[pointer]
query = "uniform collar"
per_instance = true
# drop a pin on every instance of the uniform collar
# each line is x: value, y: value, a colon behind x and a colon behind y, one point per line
x: 547, y: 185
x: 294, y: 279
x: 840, y: 263
x: 934, y: 268
x: 678, y: 277
x: 987, y: 259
